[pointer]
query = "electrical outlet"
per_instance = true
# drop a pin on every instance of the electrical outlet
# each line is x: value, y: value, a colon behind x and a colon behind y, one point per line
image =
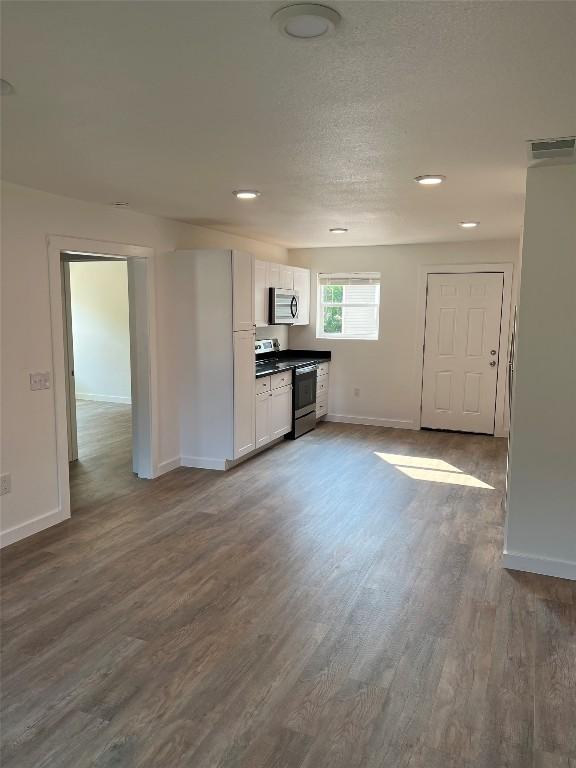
x: 40, y: 381
x: 5, y: 484
x: 356, y: 392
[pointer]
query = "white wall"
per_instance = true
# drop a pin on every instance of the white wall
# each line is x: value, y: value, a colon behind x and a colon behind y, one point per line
x: 100, y: 330
x: 28, y: 428
x: 384, y: 371
x: 541, y: 521
x: 279, y: 332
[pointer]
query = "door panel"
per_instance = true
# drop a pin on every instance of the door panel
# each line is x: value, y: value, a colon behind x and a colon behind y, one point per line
x: 281, y: 417
x: 260, y: 293
x: 244, y: 393
x: 263, y: 418
x: 461, y: 350
x: 242, y: 291
x: 302, y: 287
x: 69, y: 362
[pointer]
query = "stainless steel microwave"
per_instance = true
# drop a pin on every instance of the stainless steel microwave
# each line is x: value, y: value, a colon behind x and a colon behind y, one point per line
x: 283, y: 307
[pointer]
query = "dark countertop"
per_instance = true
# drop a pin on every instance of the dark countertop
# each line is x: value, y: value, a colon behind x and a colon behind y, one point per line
x: 289, y: 359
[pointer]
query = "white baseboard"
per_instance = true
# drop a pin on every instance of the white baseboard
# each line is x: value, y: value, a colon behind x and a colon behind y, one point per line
x: 104, y: 398
x: 370, y: 422
x: 168, y: 466
x: 200, y: 462
x: 562, y: 569
x: 30, y: 527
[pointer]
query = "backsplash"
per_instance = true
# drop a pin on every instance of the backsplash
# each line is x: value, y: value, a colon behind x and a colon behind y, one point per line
x: 279, y: 332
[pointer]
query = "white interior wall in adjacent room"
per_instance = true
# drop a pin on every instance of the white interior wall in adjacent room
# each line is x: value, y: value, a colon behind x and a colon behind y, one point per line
x: 100, y: 330
x: 384, y: 371
x: 28, y: 418
x: 541, y: 514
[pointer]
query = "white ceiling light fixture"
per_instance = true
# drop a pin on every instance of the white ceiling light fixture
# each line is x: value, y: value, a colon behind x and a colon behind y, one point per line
x: 6, y: 88
x: 468, y: 224
x: 338, y: 230
x: 430, y: 180
x: 246, y: 194
x: 306, y: 21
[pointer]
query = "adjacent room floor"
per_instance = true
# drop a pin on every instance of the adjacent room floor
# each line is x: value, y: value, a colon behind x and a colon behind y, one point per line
x: 336, y: 602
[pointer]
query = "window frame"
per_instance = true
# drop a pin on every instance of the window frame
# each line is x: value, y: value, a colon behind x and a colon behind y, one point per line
x: 320, y: 305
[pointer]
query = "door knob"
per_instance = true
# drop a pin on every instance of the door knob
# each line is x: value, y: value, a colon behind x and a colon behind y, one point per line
x: 492, y: 351
x: 492, y: 363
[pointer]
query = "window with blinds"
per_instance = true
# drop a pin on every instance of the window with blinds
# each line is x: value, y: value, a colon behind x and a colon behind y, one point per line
x: 348, y: 305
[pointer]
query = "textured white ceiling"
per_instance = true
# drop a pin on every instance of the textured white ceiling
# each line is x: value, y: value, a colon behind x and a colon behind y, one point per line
x: 172, y: 105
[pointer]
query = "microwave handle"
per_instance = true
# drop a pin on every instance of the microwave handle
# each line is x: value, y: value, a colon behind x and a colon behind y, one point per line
x: 294, y: 306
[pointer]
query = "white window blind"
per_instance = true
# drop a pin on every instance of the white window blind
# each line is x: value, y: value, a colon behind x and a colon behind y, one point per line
x: 348, y: 305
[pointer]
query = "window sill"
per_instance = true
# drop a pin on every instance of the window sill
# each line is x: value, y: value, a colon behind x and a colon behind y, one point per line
x: 346, y: 338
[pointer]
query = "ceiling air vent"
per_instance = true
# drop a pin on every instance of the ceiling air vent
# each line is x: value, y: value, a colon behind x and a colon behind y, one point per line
x: 553, y: 149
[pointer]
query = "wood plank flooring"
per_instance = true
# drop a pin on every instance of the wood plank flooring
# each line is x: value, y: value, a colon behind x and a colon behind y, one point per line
x: 318, y: 606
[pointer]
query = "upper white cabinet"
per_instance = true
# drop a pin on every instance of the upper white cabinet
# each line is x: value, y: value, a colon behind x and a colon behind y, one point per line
x: 268, y: 274
x: 244, y: 393
x: 286, y: 278
x: 274, y: 280
x: 302, y: 287
x: 261, y: 285
x: 242, y: 291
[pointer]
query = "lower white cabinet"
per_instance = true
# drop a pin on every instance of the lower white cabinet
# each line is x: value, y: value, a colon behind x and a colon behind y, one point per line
x: 273, y: 409
x: 281, y: 416
x: 244, y: 385
x: 263, y: 419
x: 322, y: 390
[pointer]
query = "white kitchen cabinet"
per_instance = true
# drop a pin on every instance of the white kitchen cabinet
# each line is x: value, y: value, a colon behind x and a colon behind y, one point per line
x: 263, y: 419
x: 261, y: 284
x: 281, y: 416
x: 286, y: 278
x: 242, y: 291
x: 274, y: 280
x: 322, y: 390
x: 301, y: 279
x: 244, y: 393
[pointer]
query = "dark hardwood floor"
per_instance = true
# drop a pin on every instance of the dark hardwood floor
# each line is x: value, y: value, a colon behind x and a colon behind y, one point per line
x: 320, y: 606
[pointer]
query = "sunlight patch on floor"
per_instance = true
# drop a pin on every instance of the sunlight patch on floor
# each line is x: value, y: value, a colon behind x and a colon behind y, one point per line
x: 431, y: 470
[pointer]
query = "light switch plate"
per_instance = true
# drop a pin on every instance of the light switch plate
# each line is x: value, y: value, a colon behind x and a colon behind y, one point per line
x: 5, y: 484
x: 40, y: 381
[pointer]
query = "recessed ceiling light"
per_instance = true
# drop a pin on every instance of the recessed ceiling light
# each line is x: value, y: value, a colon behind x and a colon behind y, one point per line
x: 6, y: 88
x: 338, y: 230
x: 430, y: 180
x: 246, y: 194
x: 120, y: 204
x: 469, y: 224
x: 306, y: 21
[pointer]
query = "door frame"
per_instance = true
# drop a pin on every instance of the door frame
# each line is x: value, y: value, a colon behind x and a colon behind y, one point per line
x: 501, y: 416
x: 143, y: 352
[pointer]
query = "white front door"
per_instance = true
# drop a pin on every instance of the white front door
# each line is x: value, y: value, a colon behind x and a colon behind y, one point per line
x: 461, y: 350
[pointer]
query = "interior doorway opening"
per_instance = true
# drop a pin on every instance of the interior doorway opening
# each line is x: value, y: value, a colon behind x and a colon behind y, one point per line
x: 102, y: 454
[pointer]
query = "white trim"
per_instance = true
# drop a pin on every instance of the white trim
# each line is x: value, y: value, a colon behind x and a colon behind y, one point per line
x: 141, y: 267
x: 126, y: 399
x: 371, y: 422
x: 199, y: 462
x: 546, y: 566
x: 502, y: 418
x: 30, y: 527
x: 169, y: 465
